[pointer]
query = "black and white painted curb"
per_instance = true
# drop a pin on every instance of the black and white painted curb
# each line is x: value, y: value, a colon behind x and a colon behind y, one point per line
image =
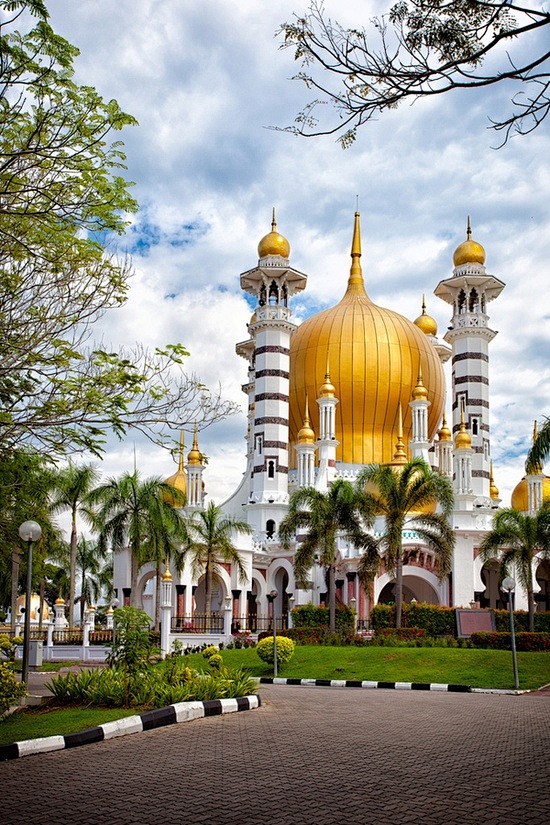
x: 171, y: 715
x: 345, y: 683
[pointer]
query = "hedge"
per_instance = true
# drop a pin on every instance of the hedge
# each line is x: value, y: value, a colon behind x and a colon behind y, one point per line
x: 440, y: 621
x: 308, y: 615
x: 528, y: 642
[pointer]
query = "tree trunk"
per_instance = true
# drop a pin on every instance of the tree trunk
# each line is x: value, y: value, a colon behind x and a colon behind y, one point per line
x: 332, y: 598
x: 208, y: 594
x: 41, y: 606
x: 530, y: 597
x: 133, y: 578
x: 72, y: 570
x: 399, y: 589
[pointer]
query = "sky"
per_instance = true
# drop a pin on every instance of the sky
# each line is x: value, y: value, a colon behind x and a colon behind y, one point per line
x: 206, y: 81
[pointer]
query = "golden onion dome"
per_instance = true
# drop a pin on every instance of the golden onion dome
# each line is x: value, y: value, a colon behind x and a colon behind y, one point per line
x: 273, y: 243
x: 469, y: 252
x: 520, y: 494
x: 59, y: 601
x: 375, y: 356
x: 306, y: 434
x: 463, y: 439
x: 327, y: 388
x: 425, y: 322
x: 167, y: 576
x: 444, y: 432
x: 195, y: 456
x: 179, y: 478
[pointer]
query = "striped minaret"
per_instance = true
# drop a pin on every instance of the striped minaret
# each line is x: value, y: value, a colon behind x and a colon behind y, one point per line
x: 271, y: 282
x: 469, y: 291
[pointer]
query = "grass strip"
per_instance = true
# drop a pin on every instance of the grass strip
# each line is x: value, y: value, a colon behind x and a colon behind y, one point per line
x: 34, y: 723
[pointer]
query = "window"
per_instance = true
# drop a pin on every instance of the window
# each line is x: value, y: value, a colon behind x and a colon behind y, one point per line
x: 271, y: 469
x: 270, y: 528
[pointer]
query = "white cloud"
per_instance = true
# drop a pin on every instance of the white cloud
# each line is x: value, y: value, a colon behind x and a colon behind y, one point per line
x: 204, y: 80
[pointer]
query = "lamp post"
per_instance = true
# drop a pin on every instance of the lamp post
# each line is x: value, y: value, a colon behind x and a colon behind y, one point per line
x: 30, y: 532
x: 273, y: 595
x: 509, y: 584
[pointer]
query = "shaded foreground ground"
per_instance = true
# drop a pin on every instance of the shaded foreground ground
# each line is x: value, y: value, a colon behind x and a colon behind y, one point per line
x: 307, y: 756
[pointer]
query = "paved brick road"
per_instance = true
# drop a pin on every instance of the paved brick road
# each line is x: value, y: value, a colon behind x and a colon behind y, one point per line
x: 308, y: 756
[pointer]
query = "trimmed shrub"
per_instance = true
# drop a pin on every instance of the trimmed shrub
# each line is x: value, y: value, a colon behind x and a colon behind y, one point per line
x: 10, y: 689
x: 406, y: 633
x: 521, y: 621
x: 525, y: 642
x: 285, y: 649
x: 307, y: 615
x: 435, y: 620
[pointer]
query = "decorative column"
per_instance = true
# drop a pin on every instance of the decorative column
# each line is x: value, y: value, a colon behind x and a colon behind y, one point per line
x: 445, y: 446
x: 194, y: 476
x: 109, y: 616
x: 59, y: 610
x: 535, y: 481
x: 165, y: 612
x: 90, y: 616
x: 463, y: 466
x: 419, y: 443
x: 327, y: 442
x: 228, y: 617
x: 305, y: 449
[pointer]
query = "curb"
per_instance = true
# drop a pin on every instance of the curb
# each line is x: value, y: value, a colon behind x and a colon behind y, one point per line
x: 344, y: 683
x: 170, y: 715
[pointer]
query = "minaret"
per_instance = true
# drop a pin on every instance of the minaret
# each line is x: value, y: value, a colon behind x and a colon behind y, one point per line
x: 400, y: 454
x: 194, y: 476
x: 271, y: 282
x: 419, y: 443
x: 327, y: 442
x: 469, y: 291
x: 305, y: 449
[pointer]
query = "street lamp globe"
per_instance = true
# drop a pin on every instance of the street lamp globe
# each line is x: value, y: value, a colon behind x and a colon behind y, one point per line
x: 508, y: 583
x: 30, y: 531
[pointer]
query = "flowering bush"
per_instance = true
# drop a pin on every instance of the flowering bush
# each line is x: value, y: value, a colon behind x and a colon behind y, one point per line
x: 285, y: 649
x: 8, y: 646
x: 209, y: 651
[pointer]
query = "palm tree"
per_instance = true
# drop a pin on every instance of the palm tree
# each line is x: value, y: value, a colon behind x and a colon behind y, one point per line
x: 519, y: 538
x: 399, y: 494
x: 342, y: 510
x: 89, y: 562
x: 210, y: 544
x: 540, y: 450
x: 72, y: 486
x: 138, y: 514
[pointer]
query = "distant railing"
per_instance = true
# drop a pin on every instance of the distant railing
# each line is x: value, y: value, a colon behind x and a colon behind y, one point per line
x: 101, y: 637
x: 68, y: 637
x: 198, y: 623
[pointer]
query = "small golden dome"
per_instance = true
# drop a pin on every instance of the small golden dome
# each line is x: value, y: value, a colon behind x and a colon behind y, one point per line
x: 306, y: 434
x: 444, y: 432
x: 167, y: 576
x: 425, y: 322
x: 253, y: 318
x: 520, y: 494
x: 469, y: 252
x: 60, y: 601
x: 420, y: 393
x: 195, y: 456
x: 327, y: 388
x: 273, y: 243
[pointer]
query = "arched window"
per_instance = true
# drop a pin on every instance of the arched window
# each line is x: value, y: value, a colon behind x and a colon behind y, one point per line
x: 475, y: 426
x: 271, y: 469
x: 461, y: 302
x: 273, y: 294
x: 474, y: 301
x: 270, y: 528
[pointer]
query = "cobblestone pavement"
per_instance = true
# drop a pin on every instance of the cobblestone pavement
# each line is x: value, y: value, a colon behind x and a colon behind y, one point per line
x: 308, y: 756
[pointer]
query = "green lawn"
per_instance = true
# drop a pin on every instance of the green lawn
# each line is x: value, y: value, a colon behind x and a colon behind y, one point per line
x: 477, y: 668
x: 35, y: 723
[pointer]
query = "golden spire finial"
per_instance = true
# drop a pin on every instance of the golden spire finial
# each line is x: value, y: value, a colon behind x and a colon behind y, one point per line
x: 327, y: 389
x: 423, y: 304
x: 166, y: 576
x: 444, y: 432
x: 400, y: 454
x: 306, y: 434
x: 194, y: 456
x: 420, y: 393
x: 493, y: 489
x: 273, y: 221
x: 356, y: 283
x: 463, y: 440
x: 468, y: 229
x: 181, y: 451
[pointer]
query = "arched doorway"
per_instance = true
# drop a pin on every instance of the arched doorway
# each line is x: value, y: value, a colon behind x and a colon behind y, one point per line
x: 414, y: 587
x: 492, y: 595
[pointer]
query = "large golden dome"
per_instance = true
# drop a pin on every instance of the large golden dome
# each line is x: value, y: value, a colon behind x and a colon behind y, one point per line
x: 375, y: 357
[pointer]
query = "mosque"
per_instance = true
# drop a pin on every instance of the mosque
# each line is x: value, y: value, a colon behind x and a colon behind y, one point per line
x: 356, y: 384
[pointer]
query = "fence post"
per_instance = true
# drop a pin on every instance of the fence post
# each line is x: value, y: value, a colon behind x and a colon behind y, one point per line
x: 59, y: 609
x: 228, y: 618
x: 49, y: 641
x: 165, y: 612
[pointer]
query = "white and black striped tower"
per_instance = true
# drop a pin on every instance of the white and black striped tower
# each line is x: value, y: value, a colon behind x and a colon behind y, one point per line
x: 469, y: 291
x: 272, y: 282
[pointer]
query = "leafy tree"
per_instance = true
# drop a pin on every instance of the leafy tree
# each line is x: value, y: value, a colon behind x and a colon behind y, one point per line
x: 72, y: 487
x: 399, y: 495
x: 137, y: 514
x: 421, y: 48
x: 322, y: 517
x: 96, y: 575
x: 209, y: 545
x: 517, y: 539
x: 540, y: 450
x: 62, y: 201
